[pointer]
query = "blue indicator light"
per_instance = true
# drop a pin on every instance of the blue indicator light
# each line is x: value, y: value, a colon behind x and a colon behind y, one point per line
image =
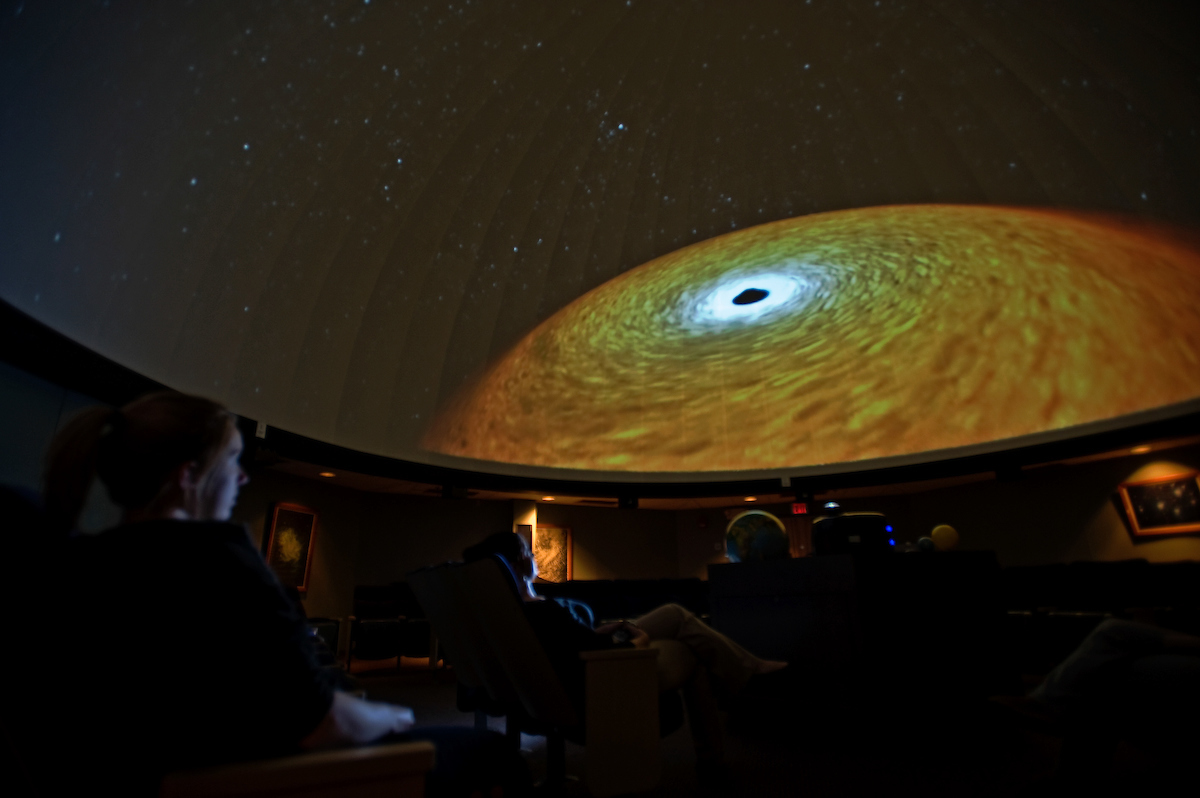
x: 887, y: 528
x: 891, y: 542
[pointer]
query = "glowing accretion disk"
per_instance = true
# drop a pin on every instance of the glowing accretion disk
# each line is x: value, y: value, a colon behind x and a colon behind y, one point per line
x: 869, y: 333
x: 713, y: 308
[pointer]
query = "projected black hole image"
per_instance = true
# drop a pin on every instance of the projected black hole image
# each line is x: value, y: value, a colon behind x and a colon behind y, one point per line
x: 846, y: 336
x: 750, y: 296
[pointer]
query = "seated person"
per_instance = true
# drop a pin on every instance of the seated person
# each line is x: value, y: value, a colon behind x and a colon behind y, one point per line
x: 173, y: 645
x: 1101, y: 672
x: 564, y: 633
x: 1126, y: 681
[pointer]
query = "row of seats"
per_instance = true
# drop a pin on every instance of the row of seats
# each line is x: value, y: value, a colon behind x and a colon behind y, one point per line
x: 1049, y: 608
x: 1106, y: 587
x: 478, y: 616
x: 389, y: 622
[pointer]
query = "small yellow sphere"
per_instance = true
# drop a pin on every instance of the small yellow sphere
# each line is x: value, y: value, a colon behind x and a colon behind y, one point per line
x: 945, y: 537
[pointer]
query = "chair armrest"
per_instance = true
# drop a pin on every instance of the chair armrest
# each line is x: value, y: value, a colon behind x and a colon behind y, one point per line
x: 395, y: 769
x: 618, y: 653
x: 622, y: 753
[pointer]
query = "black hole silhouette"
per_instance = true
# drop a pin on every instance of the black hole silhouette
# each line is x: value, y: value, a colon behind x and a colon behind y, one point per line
x: 750, y: 296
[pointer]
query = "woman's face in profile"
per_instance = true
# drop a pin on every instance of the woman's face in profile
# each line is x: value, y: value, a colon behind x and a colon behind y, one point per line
x: 219, y: 493
x: 528, y: 562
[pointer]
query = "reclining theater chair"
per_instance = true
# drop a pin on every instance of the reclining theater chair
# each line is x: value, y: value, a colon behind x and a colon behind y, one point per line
x: 397, y: 769
x: 477, y: 614
x: 387, y: 623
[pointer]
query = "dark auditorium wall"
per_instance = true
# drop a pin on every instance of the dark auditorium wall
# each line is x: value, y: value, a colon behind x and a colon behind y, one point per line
x: 402, y: 533
x: 1058, y: 513
x: 700, y: 541
x: 32, y: 410
x: 617, y: 544
x: 366, y: 538
x: 335, y: 544
x: 376, y: 538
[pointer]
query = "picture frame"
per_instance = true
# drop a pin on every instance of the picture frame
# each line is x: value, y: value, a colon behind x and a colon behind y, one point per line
x: 1160, y: 506
x: 289, y: 545
x: 554, y: 552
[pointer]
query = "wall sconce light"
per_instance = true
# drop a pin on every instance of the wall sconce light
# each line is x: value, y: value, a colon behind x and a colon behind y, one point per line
x: 327, y: 474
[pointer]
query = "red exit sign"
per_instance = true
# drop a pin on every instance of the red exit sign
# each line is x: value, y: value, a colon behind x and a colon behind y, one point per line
x: 799, y: 508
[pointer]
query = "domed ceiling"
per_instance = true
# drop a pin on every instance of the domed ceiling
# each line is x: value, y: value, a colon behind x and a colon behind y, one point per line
x: 637, y: 239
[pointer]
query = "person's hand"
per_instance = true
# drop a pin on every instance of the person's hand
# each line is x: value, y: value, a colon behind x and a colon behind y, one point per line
x: 402, y: 718
x: 354, y: 721
x: 638, y: 636
x: 369, y: 720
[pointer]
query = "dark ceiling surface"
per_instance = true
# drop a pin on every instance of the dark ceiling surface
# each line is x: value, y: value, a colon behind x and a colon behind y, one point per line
x: 333, y: 215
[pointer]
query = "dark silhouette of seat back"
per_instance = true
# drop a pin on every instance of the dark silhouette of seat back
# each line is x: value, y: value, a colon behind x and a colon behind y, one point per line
x: 476, y: 610
x: 489, y: 587
x: 457, y: 629
x: 476, y: 613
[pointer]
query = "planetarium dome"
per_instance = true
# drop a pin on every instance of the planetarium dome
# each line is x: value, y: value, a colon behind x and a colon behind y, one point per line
x: 627, y: 241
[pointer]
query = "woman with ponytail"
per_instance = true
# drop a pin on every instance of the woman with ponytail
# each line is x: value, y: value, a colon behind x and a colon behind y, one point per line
x: 166, y: 455
x: 174, y: 645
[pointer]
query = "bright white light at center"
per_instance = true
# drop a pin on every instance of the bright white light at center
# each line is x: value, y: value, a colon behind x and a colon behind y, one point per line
x: 713, y: 306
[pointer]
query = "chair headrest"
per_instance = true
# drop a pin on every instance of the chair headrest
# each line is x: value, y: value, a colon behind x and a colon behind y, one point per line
x: 509, y: 574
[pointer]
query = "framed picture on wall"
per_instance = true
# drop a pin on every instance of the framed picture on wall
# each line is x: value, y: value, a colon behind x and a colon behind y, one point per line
x: 553, y: 552
x: 1162, y: 506
x: 289, y: 546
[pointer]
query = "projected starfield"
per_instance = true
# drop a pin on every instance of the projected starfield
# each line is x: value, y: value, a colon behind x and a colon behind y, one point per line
x: 488, y: 236
x: 846, y: 336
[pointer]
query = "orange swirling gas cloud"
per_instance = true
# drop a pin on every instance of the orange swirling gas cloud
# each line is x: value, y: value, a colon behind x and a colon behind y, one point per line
x: 845, y: 336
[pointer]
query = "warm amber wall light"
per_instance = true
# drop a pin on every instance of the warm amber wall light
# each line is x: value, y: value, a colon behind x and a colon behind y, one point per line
x: 1139, y: 450
x: 547, y: 498
x: 327, y: 474
x: 751, y: 498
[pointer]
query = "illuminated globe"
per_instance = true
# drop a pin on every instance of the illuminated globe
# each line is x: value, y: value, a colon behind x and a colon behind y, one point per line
x: 756, y: 535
